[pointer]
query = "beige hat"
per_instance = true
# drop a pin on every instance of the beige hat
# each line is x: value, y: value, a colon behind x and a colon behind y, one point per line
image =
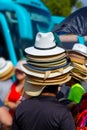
x: 75, y: 57
x: 79, y: 74
x: 79, y: 48
x: 47, y: 59
x: 51, y: 81
x: 47, y: 74
x: 34, y: 88
x: 6, y: 69
x: 80, y: 67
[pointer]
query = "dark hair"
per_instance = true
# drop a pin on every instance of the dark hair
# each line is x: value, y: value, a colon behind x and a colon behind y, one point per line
x: 51, y: 89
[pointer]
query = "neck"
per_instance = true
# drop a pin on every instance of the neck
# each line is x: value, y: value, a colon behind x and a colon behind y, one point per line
x: 48, y: 94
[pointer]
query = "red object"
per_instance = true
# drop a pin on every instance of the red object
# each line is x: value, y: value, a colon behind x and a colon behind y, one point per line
x: 14, y: 96
x: 81, y: 128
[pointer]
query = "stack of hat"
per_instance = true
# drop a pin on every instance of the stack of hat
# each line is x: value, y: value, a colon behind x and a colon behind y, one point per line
x: 19, y: 64
x: 47, y: 64
x: 78, y: 56
x: 6, y: 69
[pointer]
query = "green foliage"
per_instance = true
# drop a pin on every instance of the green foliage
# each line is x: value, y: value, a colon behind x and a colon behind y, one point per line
x: 62, y: 7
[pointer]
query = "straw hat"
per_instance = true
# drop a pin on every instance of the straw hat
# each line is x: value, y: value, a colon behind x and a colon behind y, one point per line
x: 6, y: 69
x: 46, y: 58
x: 78, y: 58
x: 80, y: 67
x: 79, y: 48
x: 47, y: 74
x: 78, y: 74
x: 34, y: 88
x: 51, y: 81
x: 44, y: 42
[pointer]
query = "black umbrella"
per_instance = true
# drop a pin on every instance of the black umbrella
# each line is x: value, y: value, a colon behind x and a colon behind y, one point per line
x: 76, y: 23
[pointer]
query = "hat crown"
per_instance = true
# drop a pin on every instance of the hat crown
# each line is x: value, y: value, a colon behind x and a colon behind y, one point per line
x: 45, y: 40
x: 80, y: 47
x: 2, y: 62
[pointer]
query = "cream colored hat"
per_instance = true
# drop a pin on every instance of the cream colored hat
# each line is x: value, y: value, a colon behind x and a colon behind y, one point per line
x: 44, y: 42
x: 6, y: 69
x: 34, y: 88
x: 78, y: 48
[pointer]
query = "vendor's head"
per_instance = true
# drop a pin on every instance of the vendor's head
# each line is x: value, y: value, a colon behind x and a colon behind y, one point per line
x: 20, y: 75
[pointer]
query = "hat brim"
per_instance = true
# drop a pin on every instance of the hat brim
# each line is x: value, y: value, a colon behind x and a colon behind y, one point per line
x: 78, y: 60
x: 49, y: 64
x: 79, y: 75
x: 38, y: 52
x: 42, y: 75
x: 77, y: 52
x: 49, y: 67
x: 46, y: 59
x: 51, y: 81
x: 79, y: 71
x: 80, y: 67
x: 33, y: 90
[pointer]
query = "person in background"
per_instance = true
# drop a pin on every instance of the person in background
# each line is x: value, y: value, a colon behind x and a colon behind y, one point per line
x: 65, y: 90
x: 81, y: 118
x: 76, y: 91
x: 75, y: 95
x: 6, y: 73
x: 13, y: 97
x: 5, y: 118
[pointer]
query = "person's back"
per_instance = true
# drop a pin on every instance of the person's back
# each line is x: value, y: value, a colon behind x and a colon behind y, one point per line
x: 42, y: 113
x: 12, y: 99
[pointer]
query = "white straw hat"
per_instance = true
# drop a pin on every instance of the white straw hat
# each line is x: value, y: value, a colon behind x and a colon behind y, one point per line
x: 79, y: 48
x: 45, y: 45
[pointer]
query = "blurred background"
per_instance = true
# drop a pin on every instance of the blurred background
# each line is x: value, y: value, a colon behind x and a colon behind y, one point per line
x: 20, y: 20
